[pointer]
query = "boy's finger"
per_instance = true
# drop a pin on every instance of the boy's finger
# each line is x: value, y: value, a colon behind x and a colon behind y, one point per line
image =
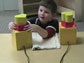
x: 26, y: 26
x: 29, y: 29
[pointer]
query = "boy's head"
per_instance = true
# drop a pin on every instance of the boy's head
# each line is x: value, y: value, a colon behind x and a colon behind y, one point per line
x: 50, y: 4
x: 46, y: 10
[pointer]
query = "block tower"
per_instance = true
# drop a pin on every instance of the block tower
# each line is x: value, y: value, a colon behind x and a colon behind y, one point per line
x: 20, y: 37
x: 67, y: 29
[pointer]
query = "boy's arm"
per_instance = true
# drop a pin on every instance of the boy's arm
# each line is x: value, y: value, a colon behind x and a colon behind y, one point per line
x: 42, y: 32
x: 45, y: 33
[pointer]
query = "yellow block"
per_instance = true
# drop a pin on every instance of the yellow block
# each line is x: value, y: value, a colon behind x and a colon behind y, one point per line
x: 20, y: 19
x: 67, y: 35
x: 21, y: 38
x: 63, y: 16
x: 67, y: 16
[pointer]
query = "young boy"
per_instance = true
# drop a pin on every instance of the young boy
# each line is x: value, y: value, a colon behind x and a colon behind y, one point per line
x: 44, y: 24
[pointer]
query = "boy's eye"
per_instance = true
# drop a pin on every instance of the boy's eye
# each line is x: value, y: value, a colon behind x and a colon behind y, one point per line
x: 46, y: 12
x: 40, y: 10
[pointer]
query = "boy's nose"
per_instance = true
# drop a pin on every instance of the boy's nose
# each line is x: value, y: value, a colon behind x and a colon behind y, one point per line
x: 42, y: 13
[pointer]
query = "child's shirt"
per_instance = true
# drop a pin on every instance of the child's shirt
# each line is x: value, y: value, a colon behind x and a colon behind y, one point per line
x: 52, y: 27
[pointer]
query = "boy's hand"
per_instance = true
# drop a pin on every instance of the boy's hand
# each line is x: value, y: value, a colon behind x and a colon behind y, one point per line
x: 11, y: 26
x: 31, y: 27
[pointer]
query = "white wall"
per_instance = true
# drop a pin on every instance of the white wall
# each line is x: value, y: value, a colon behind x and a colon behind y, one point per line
x: 77, y: 6
x: 67, y: 3
x: 8, y: 5
x: 1, y: 5
x: 82, y: 10
x: 78, y: 10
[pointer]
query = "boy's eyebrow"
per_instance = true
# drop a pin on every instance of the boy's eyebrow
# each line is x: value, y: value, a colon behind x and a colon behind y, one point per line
x: 46, y: 12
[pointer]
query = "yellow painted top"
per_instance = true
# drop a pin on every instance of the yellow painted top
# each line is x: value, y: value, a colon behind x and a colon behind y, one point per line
x: 20, y: 19
x: 63, y: 16
x: 67, y: 16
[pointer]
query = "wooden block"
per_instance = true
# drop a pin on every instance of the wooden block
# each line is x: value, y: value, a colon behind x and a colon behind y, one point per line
x: 63, y: 16
x: 67, y: 35
x: 67, y: 16
x: 20, y: 19
x: 22, y: 38
x: 65, y: 24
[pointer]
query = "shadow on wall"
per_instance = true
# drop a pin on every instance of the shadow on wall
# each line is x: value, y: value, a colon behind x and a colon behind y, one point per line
x: 66, y: 3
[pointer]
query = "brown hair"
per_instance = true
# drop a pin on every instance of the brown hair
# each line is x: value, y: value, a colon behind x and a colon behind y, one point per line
x: 49, y: 4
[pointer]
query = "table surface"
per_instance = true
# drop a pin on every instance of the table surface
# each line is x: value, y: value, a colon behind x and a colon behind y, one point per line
x: 9, y: 55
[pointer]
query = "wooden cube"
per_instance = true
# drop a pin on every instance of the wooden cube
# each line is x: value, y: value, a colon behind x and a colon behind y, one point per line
x: 67, y: 34
x: 22, y: 39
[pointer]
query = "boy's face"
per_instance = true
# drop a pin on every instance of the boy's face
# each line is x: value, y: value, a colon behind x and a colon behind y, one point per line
x: 44, y: 14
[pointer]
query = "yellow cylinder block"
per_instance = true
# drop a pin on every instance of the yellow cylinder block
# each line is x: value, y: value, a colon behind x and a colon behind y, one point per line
x: 20, y: 19
x: 67, y: 16
x: 63, y: 16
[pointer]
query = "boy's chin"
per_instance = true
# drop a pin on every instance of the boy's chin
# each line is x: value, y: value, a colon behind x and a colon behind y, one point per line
x: 43, y: 21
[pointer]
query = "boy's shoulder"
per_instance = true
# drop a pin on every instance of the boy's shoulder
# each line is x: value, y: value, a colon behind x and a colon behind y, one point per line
x: 54, y: 21
x: 32, y: 19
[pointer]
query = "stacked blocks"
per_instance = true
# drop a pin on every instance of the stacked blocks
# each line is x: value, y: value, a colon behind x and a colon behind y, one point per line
x: 20, y: 21
x: 21, y: 38
x: 67, y: 19
x: 67, y: 29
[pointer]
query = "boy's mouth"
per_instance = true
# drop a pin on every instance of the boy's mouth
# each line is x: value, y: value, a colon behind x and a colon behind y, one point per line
x: 42, y: 17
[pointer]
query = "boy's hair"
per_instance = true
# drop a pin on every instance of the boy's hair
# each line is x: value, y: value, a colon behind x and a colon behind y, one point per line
x: 49, y: 4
